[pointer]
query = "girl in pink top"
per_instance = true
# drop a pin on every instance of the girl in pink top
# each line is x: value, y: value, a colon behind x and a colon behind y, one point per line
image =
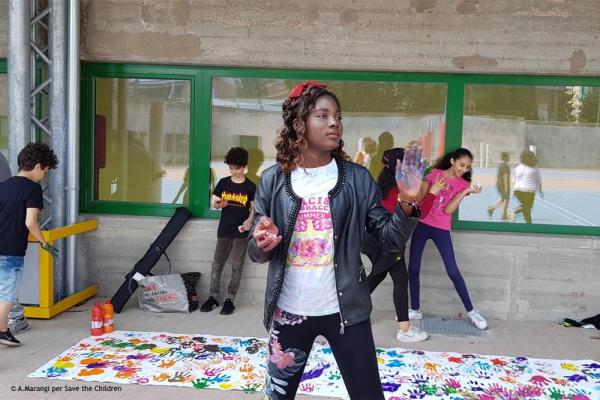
x: 455, y: 170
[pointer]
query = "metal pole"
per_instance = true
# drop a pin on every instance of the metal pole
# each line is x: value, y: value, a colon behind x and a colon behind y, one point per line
x: 73, y: 142
x: 58, y: 124
x: 19, y: 79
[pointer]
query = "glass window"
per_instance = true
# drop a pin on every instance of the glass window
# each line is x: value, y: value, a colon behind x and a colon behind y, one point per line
x: 141, y: 140
x: 377, y: 116
x: 536, y: 154
x: 4, y: 115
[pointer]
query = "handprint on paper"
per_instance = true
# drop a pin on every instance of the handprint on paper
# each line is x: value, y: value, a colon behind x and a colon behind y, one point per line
x: 409, y: 173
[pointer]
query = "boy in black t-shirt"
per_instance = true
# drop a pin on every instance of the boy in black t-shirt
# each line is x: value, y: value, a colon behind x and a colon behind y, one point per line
x: 20, y: 204
x: 234, y: 195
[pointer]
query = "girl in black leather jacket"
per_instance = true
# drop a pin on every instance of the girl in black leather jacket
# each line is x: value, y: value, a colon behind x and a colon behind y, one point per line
x: 312, y: 209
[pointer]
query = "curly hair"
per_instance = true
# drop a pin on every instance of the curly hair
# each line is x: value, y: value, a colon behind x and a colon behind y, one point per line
x: 290, y: 144
x: 36, y: 153
x: 529, y: 158
x: 237, y: 156
x: 444, y: 162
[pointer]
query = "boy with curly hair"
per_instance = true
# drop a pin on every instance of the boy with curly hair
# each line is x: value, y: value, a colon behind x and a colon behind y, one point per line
x: 234, y: 195
x: 20, y: 204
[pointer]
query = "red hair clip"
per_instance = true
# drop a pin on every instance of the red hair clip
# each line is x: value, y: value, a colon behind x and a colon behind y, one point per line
x: 299, y: 89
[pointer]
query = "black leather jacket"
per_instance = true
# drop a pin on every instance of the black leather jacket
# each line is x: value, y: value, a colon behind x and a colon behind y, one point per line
x: 355, y: 204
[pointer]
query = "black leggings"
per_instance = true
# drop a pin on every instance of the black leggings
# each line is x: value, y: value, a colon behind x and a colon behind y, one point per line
x: 399, y: 276
x: 290, y: 342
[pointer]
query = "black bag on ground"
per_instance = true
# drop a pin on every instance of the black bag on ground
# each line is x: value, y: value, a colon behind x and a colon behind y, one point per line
x: 149, y: 260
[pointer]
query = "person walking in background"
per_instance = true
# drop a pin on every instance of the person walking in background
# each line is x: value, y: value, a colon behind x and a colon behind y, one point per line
x: 526, y: 181
x: 234, y: 195
x: 312, y: 210
x: 502, y: 186
x: 455, y: 170
x: 366, y: 148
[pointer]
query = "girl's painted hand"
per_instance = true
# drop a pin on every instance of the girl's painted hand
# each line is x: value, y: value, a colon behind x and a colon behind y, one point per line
x: 409, y: 172
x: 266, y: 234
x: 473, y: 188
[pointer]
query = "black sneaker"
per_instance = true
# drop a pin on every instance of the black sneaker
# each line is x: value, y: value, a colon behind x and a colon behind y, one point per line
x: 209, y: 304
x: 8, y: 339
x: 228, y: 307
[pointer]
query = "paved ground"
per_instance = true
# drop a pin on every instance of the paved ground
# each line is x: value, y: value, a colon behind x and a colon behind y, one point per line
x: 47, y: 339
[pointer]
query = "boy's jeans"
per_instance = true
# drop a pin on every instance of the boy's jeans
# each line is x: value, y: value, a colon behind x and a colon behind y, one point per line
x: 11, y: 271
x: 234, y: 248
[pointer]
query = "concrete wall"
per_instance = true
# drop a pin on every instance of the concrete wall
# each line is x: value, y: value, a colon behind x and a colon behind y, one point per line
x: 510, y: 276
x: 536, y: 36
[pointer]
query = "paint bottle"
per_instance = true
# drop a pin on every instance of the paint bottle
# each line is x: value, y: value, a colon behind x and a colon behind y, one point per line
x: 109, y: 317
x: 97, y: 320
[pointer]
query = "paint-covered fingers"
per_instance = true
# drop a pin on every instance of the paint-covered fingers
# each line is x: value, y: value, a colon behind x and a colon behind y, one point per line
x: 266, y: 234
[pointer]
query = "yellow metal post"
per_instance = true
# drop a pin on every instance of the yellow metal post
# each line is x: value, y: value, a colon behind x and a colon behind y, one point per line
x: 47, y: 308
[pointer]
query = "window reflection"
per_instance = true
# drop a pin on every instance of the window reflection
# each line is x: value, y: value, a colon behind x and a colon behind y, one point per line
x: 548, y: 137
x: 377, y: 116
x: 141, y: 140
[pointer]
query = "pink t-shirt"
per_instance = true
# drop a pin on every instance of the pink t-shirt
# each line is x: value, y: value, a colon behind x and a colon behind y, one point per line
x: 437, y: 217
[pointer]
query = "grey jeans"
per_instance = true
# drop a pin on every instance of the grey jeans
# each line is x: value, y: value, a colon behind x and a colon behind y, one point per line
x: 228, y: 248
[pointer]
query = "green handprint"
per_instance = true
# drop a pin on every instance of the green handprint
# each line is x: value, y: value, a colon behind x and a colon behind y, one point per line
x: 555, y: 394
x: 201, y: 383
x: 50, y: 249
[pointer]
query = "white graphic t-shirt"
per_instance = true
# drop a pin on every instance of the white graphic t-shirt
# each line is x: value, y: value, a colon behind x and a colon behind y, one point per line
x: 309, y: 285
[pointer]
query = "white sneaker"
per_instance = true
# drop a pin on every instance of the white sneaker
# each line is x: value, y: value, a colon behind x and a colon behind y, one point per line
x: 478, y: 320
x: 414, y: 314
x: 411, y: 335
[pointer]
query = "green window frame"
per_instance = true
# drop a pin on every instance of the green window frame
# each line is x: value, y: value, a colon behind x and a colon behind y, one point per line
x: 198, y: 140
x: 201, y: 125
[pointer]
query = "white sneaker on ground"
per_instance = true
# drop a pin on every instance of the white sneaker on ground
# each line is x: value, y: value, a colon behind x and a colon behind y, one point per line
x: 411, y: 335
x: 414, y: 314
x: 478, y: 320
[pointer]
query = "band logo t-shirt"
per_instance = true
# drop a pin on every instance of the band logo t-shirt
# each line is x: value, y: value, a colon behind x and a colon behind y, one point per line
x: 239, y: 197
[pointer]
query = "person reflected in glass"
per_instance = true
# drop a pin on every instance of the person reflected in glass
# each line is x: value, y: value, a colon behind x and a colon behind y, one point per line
x: 385, y: 141
x: 526, y: 181
x: 256, y: 158
x: 366, y: 148
x: 502, y: 186
x: 183, y: 189
x: 455, y: 169
x: 144, y: 176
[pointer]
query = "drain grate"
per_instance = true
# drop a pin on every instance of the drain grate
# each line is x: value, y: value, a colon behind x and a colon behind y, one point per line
x: 450, y: 327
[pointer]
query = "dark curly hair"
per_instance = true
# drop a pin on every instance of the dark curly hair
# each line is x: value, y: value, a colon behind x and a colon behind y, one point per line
x: 237, y: 156
x: 291, y: 143
x: 36, y: 153
x: 444, y: 162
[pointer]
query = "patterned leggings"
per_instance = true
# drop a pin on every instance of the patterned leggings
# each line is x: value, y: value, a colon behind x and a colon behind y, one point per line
x: 290, y: 342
